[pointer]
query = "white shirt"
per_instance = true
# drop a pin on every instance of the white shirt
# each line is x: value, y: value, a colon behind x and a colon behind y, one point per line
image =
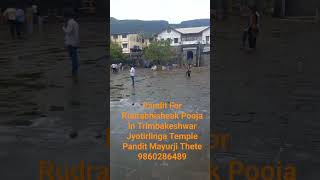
x: 11, y: 13
x: 132, y: 71
x: 71, y: 33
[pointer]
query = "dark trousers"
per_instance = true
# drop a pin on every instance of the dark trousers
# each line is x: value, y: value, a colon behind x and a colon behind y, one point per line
x: 244, y: 38
x: 19, y: 26
x: 132, y: 78
x: 12, y: 26
x: 73, y: 53
x: 251, y: 37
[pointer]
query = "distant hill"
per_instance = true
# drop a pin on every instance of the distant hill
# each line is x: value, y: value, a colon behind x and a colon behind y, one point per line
x: 150, y: 27
x: 193, y: 23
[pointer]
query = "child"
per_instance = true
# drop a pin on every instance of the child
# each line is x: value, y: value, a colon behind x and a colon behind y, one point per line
x: 188, y: 73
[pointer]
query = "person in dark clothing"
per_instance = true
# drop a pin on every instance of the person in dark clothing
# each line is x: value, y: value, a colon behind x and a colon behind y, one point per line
x: 20, y: 19
x: 251, y: 32
x: 190, y: 60
x: 188, y: 73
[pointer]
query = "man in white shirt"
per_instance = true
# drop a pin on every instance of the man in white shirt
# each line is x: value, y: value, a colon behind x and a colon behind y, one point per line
x: 10, y: 13
x: 132, y: 74
x: 71, y: 30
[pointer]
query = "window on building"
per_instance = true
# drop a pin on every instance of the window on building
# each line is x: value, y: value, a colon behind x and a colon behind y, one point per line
x: 207, y: 38
x: 124, y: 36
x: 115, y: 36
x: 125, y: 45
x: 192, y: 38
x: 176, y: 40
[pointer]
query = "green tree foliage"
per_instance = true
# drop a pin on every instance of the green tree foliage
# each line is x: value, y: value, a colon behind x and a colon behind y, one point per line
x: 116, y: 51
x: 158, y: 51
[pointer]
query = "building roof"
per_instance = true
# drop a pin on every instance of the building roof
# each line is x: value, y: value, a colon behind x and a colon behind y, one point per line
x: 192, y: 30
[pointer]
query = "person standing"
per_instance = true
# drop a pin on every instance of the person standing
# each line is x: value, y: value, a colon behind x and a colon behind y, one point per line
x: 71, y: 30
x: 29, y: 15
x: 20, y: 16
x: 132, y: 74
x: 35, y: 13
x: 252, y: 30
x: 10, y: 13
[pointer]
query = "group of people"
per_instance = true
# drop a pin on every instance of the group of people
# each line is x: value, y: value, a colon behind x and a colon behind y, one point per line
x: 18, y: 16
x: 117, y: 67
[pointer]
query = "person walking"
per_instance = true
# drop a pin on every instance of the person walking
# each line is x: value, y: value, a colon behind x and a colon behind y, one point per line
x: 10, y: 14
x: 188, y: 73
x: 71, y: 30
x: 20, y: 16
x: 252, y: 30
x: 132, y: 74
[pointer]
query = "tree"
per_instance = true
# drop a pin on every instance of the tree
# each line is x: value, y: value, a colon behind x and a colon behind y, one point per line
x: 158, y: 51
x: 115, y: 51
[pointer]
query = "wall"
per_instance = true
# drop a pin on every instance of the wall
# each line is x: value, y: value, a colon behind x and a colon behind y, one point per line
x: 131, y: 40
x: 204, y: 34
x: 205, y: 59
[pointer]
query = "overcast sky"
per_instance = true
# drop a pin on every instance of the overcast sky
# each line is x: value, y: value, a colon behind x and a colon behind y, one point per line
x: 173, y: 11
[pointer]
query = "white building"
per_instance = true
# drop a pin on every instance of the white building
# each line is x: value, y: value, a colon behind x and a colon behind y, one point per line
x: 186, y: 36
x: 193, y: 43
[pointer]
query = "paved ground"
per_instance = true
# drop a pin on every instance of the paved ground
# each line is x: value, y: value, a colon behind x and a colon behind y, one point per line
x: 154, y: 87
x: 44, y: 114
x: 269, y: 100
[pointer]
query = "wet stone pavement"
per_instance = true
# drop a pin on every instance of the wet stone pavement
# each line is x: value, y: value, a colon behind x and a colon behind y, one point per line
x: 45, y: 114
x: 268, y: 100
x: 156, y: 86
